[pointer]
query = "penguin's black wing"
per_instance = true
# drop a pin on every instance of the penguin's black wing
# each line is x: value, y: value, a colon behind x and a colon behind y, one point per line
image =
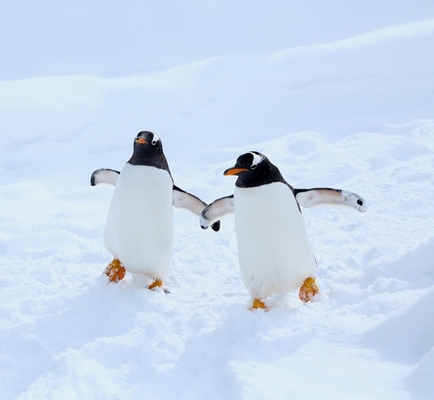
x: 216, y: 210
x: 183, y: 199
x: 104, y: 175
x: 327, y: 196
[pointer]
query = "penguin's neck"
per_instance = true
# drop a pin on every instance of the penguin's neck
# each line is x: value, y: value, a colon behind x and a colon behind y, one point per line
x: 159, y: 161
x: 264, y: 176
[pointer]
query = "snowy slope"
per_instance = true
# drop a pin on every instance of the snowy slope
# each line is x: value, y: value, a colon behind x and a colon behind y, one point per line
x: 355, y: 113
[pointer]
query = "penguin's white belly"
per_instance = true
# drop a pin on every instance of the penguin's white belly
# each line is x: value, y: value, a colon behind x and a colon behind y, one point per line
x: 139, y: 228
x: 273, y: 248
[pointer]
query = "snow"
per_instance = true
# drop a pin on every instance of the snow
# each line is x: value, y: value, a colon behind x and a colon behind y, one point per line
x: 337, y: 94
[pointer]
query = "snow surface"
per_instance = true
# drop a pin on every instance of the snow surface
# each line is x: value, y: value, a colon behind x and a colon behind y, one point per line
x: 337, y: 94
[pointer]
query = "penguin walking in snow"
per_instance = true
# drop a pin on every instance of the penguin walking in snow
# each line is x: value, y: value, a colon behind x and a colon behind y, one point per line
x: 139, y: 231
x: 273, y: 247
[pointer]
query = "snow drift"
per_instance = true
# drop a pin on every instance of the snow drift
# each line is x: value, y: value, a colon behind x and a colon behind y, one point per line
x: 355, y: 113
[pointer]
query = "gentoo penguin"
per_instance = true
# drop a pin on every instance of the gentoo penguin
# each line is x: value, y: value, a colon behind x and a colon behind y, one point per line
x: 273, y: 247
x: 139, y: 228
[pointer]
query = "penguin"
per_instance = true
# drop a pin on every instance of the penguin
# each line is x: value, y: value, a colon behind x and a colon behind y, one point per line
x: 139, y: 230
x: 274, y: 253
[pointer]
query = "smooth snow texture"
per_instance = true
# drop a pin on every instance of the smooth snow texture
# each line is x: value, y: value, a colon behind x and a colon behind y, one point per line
x: 338, y: 94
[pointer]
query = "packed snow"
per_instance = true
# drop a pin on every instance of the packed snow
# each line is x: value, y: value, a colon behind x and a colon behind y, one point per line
x: 337, y: 97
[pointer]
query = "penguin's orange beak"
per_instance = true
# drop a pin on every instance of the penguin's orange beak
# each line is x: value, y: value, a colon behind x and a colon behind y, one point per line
x: 141, y: 141
x: 235, y: 171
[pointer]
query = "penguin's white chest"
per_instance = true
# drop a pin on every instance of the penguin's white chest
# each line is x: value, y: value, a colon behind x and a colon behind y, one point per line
x: 273, y: 248
x: 139, y: 228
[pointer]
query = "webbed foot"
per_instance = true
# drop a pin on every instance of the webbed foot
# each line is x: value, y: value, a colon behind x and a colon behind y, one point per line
x: 308, y: 290
x: 156, y: 283
x: 257, y: 303
x: 115, y: 271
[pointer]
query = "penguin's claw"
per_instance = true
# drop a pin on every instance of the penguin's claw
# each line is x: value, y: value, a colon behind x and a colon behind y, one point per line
x: 257, y: 303
x: 308, y: 290
x: 115, y: 271
x: 156, y: 283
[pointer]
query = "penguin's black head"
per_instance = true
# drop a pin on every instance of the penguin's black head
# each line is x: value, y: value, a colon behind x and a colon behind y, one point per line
x: 148, y: 143
x: 254, y: 169
x: 148, y: 150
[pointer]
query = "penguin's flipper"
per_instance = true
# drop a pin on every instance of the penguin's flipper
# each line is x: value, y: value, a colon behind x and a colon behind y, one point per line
x: 216, y: 210
x: 327, y: 196
x: 104, y: 175
x: 183, y: 199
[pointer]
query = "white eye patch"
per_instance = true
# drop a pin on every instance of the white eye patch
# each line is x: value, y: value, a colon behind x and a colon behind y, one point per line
x: 256, y: 160
x: 155, y: 139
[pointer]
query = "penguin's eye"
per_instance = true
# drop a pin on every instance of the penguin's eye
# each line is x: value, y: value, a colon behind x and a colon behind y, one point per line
x: 155, y: 139
x: 254, y: 166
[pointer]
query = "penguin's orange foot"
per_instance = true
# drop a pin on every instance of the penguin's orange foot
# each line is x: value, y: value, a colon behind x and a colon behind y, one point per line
x: 115, y: 271
x: 308, y: 290
x: 257, y: 303
x: 156, y: 283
